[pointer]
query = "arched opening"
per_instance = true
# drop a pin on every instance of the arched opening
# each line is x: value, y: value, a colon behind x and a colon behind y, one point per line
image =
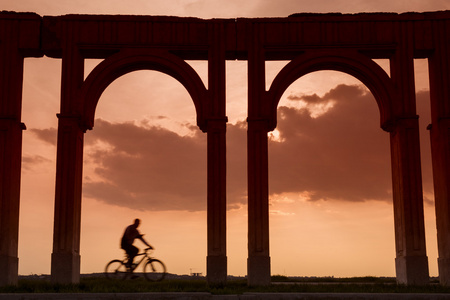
x: 330, y: 182
x: 130, y: 60
x: 40, y: 103
x: 350, y: 62
x: 145, y: 158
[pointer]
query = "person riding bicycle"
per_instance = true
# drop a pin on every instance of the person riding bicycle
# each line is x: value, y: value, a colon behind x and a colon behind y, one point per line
x: 131, y: 233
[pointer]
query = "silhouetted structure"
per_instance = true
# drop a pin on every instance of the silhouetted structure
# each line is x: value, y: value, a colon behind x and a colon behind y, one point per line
x: 312, y: 42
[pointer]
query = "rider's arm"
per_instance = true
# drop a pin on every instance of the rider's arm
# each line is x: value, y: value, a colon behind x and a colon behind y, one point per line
x: 144, y: 241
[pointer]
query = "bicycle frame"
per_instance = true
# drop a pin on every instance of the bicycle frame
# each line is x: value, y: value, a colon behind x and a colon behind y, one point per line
x: 136, y: 264
x: 153, y: 269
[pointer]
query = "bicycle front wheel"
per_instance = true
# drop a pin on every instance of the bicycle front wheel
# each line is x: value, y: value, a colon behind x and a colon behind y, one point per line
x: 116, y: 269
x: 154, y: 270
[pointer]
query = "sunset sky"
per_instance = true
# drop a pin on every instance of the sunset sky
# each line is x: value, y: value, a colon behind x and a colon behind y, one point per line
x: 331, y: 210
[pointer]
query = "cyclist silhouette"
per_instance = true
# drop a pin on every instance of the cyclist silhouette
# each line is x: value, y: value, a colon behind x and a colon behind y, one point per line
x: 131, y: 233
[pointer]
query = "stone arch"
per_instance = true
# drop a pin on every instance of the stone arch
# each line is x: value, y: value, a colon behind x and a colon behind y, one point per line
x: 350, y: 62
x: 130, y: 60
x: 396, y: 102
x: 73, y: 124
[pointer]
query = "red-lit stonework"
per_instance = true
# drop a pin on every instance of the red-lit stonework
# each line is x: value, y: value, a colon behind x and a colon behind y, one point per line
x: 19, y: 38
x: 311, y: 42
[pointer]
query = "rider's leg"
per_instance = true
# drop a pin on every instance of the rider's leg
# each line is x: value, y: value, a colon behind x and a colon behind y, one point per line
x: 133, y: 251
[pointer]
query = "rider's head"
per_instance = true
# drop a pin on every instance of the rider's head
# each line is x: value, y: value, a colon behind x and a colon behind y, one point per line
x: 137, y: 222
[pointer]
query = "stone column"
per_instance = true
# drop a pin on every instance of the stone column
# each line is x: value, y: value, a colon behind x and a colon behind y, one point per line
x: 10, y: 166
x: 19, y: 38
x: 217, y: 206
x: 411, y: 261
x: 66, y: 235
x: 440, y: 144
x: 216, y: 120
x: 10, y: 161
x: 69, y: 164
x: 258, y: 264
x: 439, y: 67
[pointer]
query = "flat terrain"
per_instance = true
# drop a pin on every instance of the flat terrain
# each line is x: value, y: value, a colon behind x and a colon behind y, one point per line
x: 97, y: 283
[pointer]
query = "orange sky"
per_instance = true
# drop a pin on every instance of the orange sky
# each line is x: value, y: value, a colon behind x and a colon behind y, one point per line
x: 330, y: 193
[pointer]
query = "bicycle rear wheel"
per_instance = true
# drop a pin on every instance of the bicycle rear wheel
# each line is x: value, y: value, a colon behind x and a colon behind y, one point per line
x: 154, y: 270
x: 116, y: 269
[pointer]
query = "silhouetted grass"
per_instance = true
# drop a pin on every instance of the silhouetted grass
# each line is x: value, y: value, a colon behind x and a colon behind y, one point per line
x: 366, y: 279
x: 281, y: 284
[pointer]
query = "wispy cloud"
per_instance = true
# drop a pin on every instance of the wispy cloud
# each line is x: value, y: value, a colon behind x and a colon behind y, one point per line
x: 48, y: 135
x: 28, y: 161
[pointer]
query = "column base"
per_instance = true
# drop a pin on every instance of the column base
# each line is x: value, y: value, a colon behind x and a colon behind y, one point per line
x: 444, y: 271
x: 412, y: 270
x: 216, y: 269
x: 9, y: 270
x: 65, y: 268
x: 258, y: 270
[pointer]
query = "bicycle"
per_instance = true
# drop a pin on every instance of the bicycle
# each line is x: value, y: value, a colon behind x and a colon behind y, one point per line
x: 154, y: 269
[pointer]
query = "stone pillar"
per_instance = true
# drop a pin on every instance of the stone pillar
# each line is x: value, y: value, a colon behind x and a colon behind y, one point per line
x: 216, y: 121
x: 440, y: 144
x: 10, y: 166
x: 66, y: 236
x: 439, y: 68
x: 69, y: 167
x: 19, y: 38
x: 411, y: 261
x: 258, y: 264
x: 217, y: 206
x: 10, y: 160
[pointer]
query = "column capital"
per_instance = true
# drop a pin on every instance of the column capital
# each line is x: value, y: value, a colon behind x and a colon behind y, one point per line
x: 259, y: 124
x: 6, y: 122
x: 67, y: 116
x: 215, y: 124
x: 403, y: 121
x: 445, y: 121
x: 73, y: 119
